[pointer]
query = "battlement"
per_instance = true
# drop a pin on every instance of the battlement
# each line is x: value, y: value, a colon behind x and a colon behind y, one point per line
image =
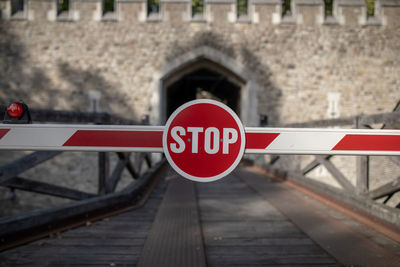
x: 298, y: 12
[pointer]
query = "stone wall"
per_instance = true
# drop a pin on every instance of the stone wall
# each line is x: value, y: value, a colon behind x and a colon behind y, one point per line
x: 290, y: 64
x: 295, y: 61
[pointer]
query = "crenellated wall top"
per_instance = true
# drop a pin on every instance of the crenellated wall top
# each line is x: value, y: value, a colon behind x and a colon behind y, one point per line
x: 300, y: 12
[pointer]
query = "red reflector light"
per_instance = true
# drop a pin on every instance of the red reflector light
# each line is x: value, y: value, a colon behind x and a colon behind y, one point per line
x: 15, y: 110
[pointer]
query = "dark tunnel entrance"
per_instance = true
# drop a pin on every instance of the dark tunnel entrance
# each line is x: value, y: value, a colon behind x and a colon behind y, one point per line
x: 203, y: 82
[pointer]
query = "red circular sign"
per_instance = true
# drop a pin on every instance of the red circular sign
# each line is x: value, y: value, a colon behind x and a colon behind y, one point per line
x: 204, y: 140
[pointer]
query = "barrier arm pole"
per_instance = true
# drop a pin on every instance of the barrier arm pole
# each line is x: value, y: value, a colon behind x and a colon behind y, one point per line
x: 62, y: 137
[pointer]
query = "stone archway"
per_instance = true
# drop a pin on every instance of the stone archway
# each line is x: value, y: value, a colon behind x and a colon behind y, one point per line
x: 206, y: 69
x: 202, y: 79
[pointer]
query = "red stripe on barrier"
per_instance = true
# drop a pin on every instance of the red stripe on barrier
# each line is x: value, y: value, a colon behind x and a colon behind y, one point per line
x: 259, y: 140
x: 3, y: 132
x: 115, y: 138
x: 369, y: 142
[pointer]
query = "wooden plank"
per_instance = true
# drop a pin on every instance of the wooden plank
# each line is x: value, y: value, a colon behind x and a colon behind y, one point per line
x: 339, y: 177
x: 117, y: 240
x: 20, y: 225
x: 46, y: 260
x: 283, y: 250
x: 46, y: 189
x: 259, y: 242
x: 88, y: 241
x: 386, y: 189
x: 175, y: 239
x: 339, y: 240
x: 25, y: 163
x: 71, y: 251
x: 215, y: 208
x: 240, y: 228
x: 261, y: 259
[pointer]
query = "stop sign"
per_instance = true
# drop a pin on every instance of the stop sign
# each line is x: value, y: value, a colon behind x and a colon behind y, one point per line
x: 204, y: 140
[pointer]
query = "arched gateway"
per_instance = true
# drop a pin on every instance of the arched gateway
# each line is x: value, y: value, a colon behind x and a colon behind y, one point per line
x: 206, y: 73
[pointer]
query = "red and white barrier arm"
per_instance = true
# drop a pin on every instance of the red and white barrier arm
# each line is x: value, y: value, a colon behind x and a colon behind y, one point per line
x: 81, y: 137
x: 149, y: 139
x: 322, y: 141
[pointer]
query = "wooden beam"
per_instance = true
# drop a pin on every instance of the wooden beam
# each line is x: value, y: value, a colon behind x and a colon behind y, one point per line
x: 139, y: 161
x: 323, y: 123
x: 364, y: 203
x: 362, y: 182
x: 46, y: 115
x: 386, y: 189
x: 104, y: 171
x: 46, y: 189
x: 312, y: 165
x: 148, y: 159
x: 129, y: 165
x: 274, y: 159
x: 387, y: 118
x: 25, y: 163
x: 116, y: 175
x: 339, y: 177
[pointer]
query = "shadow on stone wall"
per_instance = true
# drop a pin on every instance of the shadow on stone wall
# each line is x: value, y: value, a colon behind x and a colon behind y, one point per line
x: 58, y: 85
x: 268, y: 95
x: 22, y: 79
x: 12, y: 60
x: 81, y: 82
x: 19, y: 78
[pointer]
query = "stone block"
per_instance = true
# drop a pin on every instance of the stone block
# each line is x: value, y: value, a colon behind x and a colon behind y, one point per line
x: 89, y: 10
x: 350, y: 12
x: 309, y: 12
x: 264, y: 11
x: 176, y: 12
x: 40, y: 9
x: 390, y: 12
x: 132, y: 11
x: 220, y: 11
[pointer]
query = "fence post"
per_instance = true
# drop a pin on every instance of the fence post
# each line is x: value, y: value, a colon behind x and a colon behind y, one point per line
x: 362, y: 167
x: 104, y: 171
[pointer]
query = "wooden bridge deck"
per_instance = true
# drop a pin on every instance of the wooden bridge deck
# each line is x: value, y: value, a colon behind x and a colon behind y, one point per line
x: 245, y: 219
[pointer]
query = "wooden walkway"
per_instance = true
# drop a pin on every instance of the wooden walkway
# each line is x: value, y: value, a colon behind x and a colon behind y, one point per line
x: 245, y: 219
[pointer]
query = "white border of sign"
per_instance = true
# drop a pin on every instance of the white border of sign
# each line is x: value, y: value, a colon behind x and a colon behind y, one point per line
x: 242, y: 138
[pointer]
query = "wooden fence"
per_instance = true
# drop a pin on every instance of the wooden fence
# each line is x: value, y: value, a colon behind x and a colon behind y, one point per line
x: 106, y: 197
x: 358, y: 194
